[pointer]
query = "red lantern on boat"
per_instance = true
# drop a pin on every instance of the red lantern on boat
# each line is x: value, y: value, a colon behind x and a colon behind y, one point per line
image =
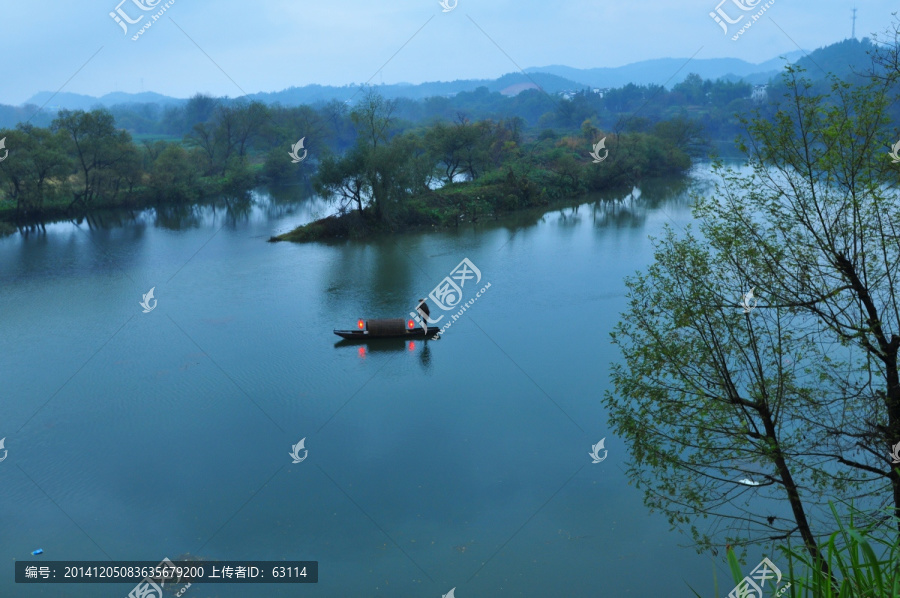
x: 388, y: 328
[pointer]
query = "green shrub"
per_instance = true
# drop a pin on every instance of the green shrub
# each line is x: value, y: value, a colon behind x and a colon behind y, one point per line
x: 864, y: 563
x: 860, y: 563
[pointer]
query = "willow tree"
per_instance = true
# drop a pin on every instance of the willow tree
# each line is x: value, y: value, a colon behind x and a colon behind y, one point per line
x: 103, y: 154
x: 374, y: 120
x: 756, y: 415
x: 36, y: 169
x: 382, y: 170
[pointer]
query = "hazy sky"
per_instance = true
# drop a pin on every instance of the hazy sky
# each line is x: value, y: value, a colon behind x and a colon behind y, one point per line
x: 269, y: 45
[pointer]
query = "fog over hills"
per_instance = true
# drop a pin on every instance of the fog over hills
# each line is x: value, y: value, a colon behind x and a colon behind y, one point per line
x: 553, y: 78
x: 660, y: 71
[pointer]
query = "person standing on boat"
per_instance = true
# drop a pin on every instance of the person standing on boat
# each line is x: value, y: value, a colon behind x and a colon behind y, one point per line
x: 424, y: 313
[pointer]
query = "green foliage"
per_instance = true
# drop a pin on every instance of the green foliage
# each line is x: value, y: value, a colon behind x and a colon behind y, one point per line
x: 385, y: 171
x: 226, y: 138
x: 683, y: 133
x: 35, y: 168
x: 387, y: 179
x: 343, y: 179
x: 105, y: 157
x: 83, y: 161
x: 859, y: 562
x: 800, y: 394
x: 239, y: 177
x: 173, y: 177
x: 864, y: 563
x: 445, y: 146
x: 547, y: 134
x: 329, y: 123
x: 279, y: 167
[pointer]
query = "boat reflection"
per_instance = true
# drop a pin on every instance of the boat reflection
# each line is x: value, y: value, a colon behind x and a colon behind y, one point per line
x: 388, y: 345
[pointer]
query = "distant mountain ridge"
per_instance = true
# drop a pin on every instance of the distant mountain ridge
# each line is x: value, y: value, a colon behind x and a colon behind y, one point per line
x: 308, y: 94
x: 77, y: 101
x: 313, y: 93
x: 552, y: 78
x: 670, y: 71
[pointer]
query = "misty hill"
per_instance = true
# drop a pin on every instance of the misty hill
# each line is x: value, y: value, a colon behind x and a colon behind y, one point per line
x: 512, y: 81
x: 551, y: 78
x: 309, y: 94
x: 77, y: 101
x: 845, y: 59
x: 659, y: 71
x: 842, y: 58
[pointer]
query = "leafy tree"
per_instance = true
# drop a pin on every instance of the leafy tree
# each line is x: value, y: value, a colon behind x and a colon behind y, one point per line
x: 380, y: 171
x: 683, y: 133
x: 203, y: 136
x: 568, y: 168
x: 589, y: 132
x: 36, y: 157
x: 173, y: 175
x: 152, y: 149
x: 470, y: 148
x: 797, y: 400
x: 694, y: 89
x: 625, y: 99
x: 722, y: 93
x: 343, y: 179
x: 476, y: 141
x: 445, y: 145
x: 336, y: 114
x: 547, y: 134
x: 279, y: 167
x: 226, y: 138
x: 373, y: 119
x: 300, y: 122
x: 126, y: 172
x: 199, y: 109
x: 250, y: 120
x: 103, y: 154
x: 416, y: 166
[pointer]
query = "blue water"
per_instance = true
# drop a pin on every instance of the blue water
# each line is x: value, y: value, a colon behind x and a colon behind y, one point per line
x: 460, y: 463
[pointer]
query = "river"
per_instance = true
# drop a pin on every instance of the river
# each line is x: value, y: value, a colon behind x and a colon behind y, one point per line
x: 458, y: 463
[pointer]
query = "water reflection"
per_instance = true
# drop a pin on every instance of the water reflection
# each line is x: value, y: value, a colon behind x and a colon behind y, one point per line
x: 631, y: 209
x: 238, y: 209
x: 178, y: 217
x: 570, y: 219
x: 263, y: 204
x: 108, y: 219
x: 424, y: 356
x: 280, y: 306
x: 615, y: 208
x: 27, y: 230
x: 391, y: 345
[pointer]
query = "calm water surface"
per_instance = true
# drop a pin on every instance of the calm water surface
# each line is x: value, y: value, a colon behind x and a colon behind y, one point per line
x: 460, y: 463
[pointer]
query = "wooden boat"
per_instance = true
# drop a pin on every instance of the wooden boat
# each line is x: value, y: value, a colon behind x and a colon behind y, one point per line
x: 387, y: 328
